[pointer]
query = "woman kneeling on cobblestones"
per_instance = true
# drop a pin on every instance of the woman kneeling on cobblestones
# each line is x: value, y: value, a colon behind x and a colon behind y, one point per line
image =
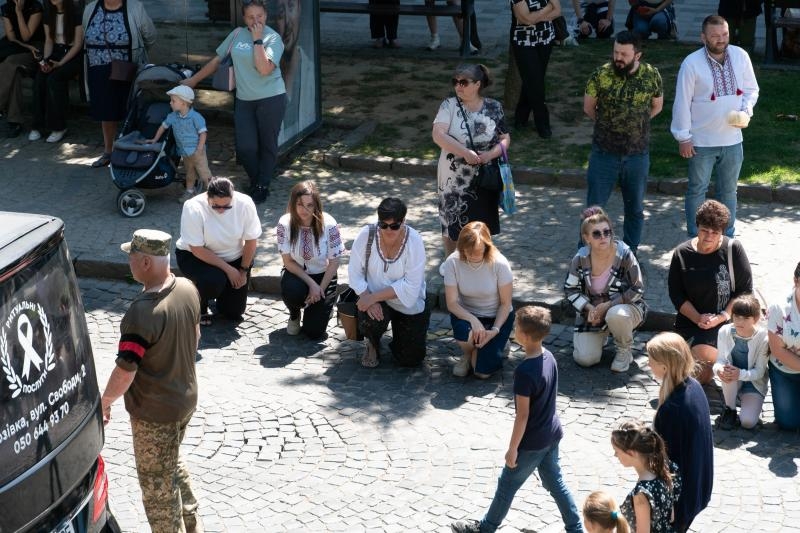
x: 478, y: 287
x: 310, y: 246
x: 784, y: 362
x: 387, y: 271
x: 605, y: 286
x: 219, y: 232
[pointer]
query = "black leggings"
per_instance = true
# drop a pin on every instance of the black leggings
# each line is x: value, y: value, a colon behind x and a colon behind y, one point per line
x: 409, y: 333
x: 315, y: 316
x: 532, y: 64
x: 212, y: 283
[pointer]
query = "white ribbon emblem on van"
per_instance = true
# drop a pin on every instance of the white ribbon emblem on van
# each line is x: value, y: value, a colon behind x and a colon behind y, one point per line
x: 25, y: 338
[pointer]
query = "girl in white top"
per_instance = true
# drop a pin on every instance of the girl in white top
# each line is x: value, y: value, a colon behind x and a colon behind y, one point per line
x: 478, y: 289
x: 310, y: 245
x: 742, y: 363
x: 392, y: 286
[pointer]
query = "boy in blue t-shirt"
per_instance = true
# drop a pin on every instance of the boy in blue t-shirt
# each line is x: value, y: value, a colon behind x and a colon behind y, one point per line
x: 189, y: 129
x: 536, y: 432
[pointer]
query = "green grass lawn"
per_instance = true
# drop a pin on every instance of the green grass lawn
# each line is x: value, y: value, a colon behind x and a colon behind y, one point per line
x: 402, y: 96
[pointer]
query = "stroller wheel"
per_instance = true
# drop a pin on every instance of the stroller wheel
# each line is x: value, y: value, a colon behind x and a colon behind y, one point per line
x: 131, y: 202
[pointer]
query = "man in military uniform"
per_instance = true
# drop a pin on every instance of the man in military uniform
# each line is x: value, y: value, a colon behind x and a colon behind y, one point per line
x: 156, y: 373
x: 621, y: 97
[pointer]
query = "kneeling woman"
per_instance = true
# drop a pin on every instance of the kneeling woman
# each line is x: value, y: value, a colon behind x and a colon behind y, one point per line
x: 387, y: 271
x: 478, y: 287
x: 219, y: 230
x: 310, y: 246
x: 605, y: 286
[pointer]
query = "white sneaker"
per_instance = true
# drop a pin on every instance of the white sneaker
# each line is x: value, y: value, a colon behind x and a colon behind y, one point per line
x: 34, y: 135
x: 622, y: 361
x: 434, y: 43
x: 461, y: 368
x: 56, y: 136
x: 293, y: 326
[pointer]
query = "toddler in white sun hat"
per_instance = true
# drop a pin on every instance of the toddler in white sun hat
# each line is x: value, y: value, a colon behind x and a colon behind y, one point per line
x: 189, y: 128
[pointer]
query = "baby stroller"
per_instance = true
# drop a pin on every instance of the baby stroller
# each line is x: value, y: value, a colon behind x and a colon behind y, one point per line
x: 134, y: 165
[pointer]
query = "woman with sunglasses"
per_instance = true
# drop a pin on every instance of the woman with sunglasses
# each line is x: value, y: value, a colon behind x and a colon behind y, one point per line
x: 478, y: 287
x: 256, y: 53
x: 310, y: 246
x: 219, y: 231
x: 604, y: 285
x: 387, y: 271
x: 470, y: 129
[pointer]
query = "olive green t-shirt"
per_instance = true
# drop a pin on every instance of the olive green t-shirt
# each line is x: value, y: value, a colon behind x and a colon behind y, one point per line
x: 159, y: 342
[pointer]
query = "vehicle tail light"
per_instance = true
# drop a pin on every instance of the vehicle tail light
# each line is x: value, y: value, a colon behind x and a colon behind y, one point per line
x: 100, y: 490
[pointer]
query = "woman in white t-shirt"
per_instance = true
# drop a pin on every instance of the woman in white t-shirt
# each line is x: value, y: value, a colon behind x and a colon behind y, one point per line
x: 219, y: 231
x: 310, y: 246
x: 477, y: 286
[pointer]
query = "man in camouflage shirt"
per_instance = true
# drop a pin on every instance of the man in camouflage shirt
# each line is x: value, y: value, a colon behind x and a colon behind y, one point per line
x: 621, y: 97
x: 156, y: 373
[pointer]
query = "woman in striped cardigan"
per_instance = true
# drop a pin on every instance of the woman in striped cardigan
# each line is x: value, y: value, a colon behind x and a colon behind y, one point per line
x: 605, y: 286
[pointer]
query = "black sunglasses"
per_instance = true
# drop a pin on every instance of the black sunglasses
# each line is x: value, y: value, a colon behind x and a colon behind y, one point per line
x: 461, y: 82
x: 394, y: 227
x: 597, y: 234
x: 224, y: 207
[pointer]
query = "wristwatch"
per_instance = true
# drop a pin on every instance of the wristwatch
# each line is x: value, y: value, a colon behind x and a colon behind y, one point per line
x: 258, y: 41
x: 245, y: 268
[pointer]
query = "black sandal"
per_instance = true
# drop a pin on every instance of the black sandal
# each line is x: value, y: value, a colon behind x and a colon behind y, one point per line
x: 103, y: 161
x: 205, y: 320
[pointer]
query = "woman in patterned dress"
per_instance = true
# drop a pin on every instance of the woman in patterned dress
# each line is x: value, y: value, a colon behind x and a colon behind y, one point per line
x: 466, y: 114
x: 113, y: 30
x: 310, y: 246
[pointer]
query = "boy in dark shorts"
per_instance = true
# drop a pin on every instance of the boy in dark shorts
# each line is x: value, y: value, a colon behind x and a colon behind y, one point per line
x: 536, y: 432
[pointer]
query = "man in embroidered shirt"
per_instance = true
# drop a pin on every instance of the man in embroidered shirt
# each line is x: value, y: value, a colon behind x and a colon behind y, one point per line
x: 621, y: 97
x: 714, y: 100
x: 155, y: 372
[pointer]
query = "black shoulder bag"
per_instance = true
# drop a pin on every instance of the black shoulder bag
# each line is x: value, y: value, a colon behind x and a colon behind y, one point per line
x: 488, y: 175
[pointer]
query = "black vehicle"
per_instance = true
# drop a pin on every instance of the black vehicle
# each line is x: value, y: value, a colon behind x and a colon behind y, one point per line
x: 52, y: 477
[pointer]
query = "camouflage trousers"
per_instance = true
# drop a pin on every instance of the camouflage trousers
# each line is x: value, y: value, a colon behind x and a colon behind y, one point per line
x: 167, y: 495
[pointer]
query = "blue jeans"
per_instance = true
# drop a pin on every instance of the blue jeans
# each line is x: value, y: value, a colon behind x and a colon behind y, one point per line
x: 785, y: 397
x: 631, y: 171
x: 490, y: 357
x: 725, y: 162
x: 511, y: 479
x: 658, y: 23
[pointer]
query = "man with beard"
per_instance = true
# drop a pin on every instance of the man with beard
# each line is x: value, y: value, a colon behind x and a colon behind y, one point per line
x: 621, y: 97
x: 714, y: 100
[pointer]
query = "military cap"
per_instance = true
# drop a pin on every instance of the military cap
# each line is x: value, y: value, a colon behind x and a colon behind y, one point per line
x: 148, y: 241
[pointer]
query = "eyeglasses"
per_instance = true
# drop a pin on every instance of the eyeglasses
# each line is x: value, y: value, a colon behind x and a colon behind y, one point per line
x: 394, y: 227
x: 597, y: 234
x: 223, y: 207
x: 463, y: 82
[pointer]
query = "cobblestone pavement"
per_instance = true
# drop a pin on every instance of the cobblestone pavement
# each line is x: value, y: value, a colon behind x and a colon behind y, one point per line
x: 292, y: 435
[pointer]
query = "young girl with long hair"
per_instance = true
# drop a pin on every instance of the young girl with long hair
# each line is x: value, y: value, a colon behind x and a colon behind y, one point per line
x: 683, y: 421
x: 310, y: 246
x: 601, y: 514
x: 649, y: 505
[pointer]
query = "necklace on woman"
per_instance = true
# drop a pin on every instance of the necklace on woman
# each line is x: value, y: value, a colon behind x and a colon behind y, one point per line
x: 472, y: 263
x: 386, y: 256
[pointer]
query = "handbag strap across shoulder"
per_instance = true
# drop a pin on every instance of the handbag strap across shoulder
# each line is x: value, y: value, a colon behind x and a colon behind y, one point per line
x: 466, y: 122
x: 370, y: 239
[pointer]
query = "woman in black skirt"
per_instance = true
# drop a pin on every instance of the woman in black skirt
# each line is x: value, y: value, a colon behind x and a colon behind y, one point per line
x: 114, y: 30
